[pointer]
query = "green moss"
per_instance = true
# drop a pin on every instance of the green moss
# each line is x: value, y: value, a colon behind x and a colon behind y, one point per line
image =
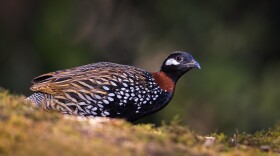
x: 28, y: 131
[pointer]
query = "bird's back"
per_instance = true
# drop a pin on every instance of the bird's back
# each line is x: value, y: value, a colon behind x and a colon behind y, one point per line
x: 97, y: 73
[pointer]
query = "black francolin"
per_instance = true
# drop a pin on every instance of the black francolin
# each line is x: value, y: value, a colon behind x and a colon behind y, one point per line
x: 111, y: 90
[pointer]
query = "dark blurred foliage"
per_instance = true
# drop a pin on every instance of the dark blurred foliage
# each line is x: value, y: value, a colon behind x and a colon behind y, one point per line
x: 236, y: 42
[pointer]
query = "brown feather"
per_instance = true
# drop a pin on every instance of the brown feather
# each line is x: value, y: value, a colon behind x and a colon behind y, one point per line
x: 78, y: 78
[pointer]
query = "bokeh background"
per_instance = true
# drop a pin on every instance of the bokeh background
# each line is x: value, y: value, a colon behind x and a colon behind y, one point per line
x: 235, y: 41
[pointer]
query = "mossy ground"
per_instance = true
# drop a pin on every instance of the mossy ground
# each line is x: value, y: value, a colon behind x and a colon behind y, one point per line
x: 25, y: 131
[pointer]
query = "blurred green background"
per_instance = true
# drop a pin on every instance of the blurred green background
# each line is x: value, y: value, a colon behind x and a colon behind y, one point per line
x: 235, y: 41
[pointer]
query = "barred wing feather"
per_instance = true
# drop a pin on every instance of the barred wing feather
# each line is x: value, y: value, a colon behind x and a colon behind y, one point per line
x: 87, y: 82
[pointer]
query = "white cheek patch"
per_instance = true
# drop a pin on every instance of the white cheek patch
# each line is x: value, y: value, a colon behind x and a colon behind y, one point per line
x: 171, y: 61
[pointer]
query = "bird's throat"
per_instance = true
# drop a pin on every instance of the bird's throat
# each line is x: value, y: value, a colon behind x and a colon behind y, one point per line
x: 164, y: 81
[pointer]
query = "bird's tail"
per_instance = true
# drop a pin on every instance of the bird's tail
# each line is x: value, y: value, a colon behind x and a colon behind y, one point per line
x: 36, y: 98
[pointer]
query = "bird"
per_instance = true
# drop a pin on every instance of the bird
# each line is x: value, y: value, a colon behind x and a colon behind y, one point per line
x: 111, y: 90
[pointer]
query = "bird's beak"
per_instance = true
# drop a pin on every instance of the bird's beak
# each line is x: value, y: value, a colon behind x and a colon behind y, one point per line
x: 193, y: 64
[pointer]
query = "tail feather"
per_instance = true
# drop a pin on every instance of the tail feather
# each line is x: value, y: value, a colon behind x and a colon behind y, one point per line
x: 37, y: 98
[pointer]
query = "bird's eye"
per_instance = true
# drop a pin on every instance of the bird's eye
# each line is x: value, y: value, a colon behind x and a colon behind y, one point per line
x: 179, y: 58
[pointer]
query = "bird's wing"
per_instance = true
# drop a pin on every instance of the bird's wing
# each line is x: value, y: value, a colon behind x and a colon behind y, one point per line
x: 94, y: 79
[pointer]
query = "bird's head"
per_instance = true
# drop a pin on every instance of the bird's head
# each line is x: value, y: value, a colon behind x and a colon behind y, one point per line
x: 177, y: 64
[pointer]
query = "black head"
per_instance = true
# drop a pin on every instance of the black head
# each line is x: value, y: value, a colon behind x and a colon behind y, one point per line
x: 177, y: 64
